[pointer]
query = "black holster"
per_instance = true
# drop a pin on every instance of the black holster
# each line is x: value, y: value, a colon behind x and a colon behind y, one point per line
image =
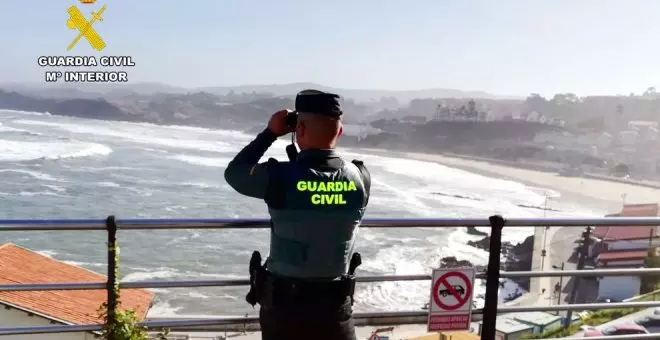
x: 257, y: 273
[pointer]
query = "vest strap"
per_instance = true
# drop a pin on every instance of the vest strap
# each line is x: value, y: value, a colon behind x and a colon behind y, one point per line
x: 275, y: 185
x: 366, y: 179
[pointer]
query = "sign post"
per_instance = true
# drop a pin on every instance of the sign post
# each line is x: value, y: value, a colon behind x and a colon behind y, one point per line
x: 450, y: 308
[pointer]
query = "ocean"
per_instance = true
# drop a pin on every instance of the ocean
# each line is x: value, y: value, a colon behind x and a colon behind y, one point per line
x: 63, y: 167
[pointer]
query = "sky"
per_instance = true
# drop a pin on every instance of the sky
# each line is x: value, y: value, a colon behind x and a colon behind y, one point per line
x: 509, y: 47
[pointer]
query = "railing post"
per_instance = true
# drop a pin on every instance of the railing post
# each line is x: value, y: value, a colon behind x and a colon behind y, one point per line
x: 583, y: 253
x: 111, y: 225
x: 492, y: 278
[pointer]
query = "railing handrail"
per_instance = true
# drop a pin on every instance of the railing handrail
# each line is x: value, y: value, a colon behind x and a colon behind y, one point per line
x: 361, y: 279
x: 491, y: 310
x: 262, y: 223
x: 252, y: 319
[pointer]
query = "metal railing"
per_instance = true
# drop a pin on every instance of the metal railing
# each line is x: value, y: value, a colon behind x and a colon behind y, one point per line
x: 492, y: 274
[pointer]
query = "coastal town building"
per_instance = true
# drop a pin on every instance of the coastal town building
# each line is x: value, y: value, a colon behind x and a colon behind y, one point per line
x: 509, y: 329
x: 541, y: 321
x: 624, y: 247
x: 19, y: 265
x: 448, y: 336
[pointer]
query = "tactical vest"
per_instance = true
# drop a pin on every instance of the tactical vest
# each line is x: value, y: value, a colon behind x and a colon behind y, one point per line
x: 315, y: 214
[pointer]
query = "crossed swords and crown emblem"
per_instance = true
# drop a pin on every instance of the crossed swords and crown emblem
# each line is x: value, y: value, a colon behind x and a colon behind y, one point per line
x: 78, y: 21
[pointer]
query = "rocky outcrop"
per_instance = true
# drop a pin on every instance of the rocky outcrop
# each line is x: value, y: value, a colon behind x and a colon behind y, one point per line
x: 518, y: 257
x: 453, y: 262
x: 473, y: 231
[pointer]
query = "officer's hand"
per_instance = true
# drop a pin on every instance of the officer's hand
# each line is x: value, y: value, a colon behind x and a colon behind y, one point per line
x: 277, y: 124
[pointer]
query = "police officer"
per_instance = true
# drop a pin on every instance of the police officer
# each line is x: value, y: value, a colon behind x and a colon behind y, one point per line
x: 316, y: 202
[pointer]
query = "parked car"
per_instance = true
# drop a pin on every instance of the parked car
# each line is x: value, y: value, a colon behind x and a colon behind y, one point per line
x: 656, y: 311
x: 623, y: 329
x: 650, y: 322
x: 604, y: 299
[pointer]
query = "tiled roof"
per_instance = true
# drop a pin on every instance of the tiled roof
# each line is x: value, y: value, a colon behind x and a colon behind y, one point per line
x: 640, y: 210
x: 625, y: 232
x: 20, y: 266
x: 622, y: 255
x: 630, y: 232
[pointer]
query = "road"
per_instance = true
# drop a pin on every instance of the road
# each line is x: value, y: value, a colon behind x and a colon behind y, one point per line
x: 559, y: 243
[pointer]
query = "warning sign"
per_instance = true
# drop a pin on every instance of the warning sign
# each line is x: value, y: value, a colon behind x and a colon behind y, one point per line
x: 450, y: 308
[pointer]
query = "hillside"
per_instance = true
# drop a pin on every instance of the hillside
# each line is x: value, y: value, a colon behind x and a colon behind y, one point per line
x: 118, y: 90
x: 195, y: 109
x: 79, y: 107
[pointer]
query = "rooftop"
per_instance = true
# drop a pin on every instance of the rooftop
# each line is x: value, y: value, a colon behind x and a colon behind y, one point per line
x: 536, y: 318
x: 22, y: 266
x: 509, y: 326
x: 630, y: 232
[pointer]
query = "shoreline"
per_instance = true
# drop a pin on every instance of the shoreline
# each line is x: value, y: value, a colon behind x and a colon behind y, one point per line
x: 598, y: 194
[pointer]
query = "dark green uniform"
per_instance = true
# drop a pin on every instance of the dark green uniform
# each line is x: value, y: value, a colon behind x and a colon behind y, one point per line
x: 319, y: 205
x: 316, y: 204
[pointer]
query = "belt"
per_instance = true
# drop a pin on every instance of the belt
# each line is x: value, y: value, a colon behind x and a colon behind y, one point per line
x: 269, y: 289
x: 279, y: 291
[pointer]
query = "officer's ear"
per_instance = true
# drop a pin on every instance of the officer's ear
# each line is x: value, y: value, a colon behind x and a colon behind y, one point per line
x: 341, y: 130
x: 300, y: 128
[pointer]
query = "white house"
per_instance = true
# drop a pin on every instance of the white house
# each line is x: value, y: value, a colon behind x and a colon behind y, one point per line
x: 624, y: 247
x: 43, y: 308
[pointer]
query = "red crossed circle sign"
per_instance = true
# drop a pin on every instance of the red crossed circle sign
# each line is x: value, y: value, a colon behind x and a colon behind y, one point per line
x: 442, y: 281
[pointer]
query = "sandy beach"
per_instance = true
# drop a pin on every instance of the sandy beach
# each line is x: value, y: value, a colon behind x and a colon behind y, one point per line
x: 598, y: 195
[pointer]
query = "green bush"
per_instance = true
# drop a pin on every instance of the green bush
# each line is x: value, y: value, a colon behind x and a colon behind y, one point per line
x: 593, y: 319
x: 650, y: 283
x: 124, y: 324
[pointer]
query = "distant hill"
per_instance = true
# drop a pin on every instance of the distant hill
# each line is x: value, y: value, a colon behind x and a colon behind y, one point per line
x: 358, y: 95
x: 78, y: 107
x: 117, y: 90
x: 196, y: 109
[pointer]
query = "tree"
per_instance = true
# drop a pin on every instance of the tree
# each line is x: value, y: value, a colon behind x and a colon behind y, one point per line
x: 650, y: 92
x: 535, y: 102
x: 650, y: 283
x: 472, y: 110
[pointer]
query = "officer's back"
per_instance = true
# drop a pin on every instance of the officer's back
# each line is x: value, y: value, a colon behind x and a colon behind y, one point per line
x: 316, y: 203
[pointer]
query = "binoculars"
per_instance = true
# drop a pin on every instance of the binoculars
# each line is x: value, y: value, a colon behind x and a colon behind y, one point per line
x: 291, y: 119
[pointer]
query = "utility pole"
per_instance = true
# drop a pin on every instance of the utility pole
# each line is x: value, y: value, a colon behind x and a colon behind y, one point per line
x: 561, y: 283
x: 584, y: 251
x: 544, y: 252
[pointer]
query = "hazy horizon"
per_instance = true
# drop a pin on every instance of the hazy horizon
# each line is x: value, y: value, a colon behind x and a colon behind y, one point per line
x: 510, y: 48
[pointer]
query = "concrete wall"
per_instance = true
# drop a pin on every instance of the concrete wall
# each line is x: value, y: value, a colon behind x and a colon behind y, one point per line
x: 18, y: 318
x: 518, y: 335
x: 619, y: 287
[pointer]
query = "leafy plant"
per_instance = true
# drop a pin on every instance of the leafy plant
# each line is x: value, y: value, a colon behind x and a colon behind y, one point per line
x: 649, y: 283
x: 123, y: 324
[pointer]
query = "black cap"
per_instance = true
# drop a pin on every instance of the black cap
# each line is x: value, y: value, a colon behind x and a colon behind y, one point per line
x: 318, y: 102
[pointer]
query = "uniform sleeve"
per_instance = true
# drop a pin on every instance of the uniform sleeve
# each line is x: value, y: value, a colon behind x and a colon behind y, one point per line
x: 244, y: 173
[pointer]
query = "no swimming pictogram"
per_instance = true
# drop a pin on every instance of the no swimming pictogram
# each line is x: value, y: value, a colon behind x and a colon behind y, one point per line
x: 452, y: 295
